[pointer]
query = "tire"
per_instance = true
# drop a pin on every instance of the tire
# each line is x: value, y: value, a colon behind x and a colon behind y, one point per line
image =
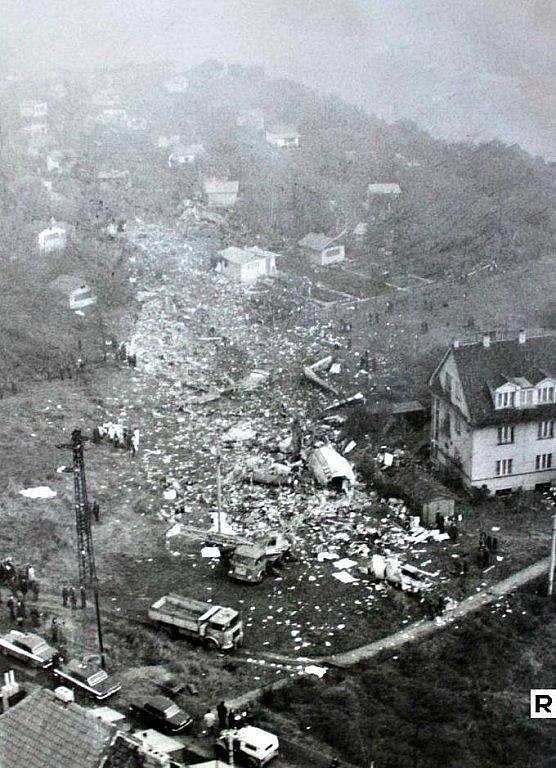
x: 210, y: 644
x: 170, y: 632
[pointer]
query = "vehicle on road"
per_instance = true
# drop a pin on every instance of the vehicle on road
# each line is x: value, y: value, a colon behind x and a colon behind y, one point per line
x: 88, y: 677
x: 28, y: 647
x: 213, y: 625
x: 162, y: 713
x: 252, y: 561
x: 251, y: 746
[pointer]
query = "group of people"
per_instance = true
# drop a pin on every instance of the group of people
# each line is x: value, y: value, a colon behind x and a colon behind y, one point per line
x: 69, y: 597
x: 20, y: 583
x: 118, y: 435
x: 488, y: 546
x: 226, y: 718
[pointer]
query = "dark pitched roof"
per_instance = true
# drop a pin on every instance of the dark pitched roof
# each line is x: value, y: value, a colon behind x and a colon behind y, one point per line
x: 41, y: 731
x: 482, y: 369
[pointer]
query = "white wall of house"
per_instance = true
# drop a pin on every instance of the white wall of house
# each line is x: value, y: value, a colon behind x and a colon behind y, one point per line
x: 331, y: 255
x: 523, y: 452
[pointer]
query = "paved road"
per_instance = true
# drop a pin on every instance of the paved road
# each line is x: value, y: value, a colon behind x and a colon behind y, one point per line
x: 422, y: 629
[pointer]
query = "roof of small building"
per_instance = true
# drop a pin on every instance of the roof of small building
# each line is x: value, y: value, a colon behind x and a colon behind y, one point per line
x: 283, y: 131
x: 215, y: 186
x: 483, y: 368
x: 158, y: 741
x: 42, y: 731
x: 187, y: 149
x: 384, y: 189
x: 67, y: 283
x: 236, y: 255
x: 316, y: 241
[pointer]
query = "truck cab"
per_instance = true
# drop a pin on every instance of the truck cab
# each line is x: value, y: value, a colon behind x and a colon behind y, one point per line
x: 223, y: 629
x: 249, y: 562
x: 252, y: 746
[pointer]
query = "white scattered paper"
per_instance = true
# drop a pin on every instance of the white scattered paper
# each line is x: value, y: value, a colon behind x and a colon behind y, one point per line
x: 41, y: 492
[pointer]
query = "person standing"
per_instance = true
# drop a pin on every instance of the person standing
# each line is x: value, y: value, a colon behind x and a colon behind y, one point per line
x: 11, y: 603
x: 35, y: 589
x: 73, y: 598
x: 209, y: 721
x: 65, y: 596
x: 222, y: 712
x: 83, y: 595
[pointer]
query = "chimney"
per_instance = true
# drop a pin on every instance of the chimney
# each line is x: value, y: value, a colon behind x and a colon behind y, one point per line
x: 522, y: 338
x: 486, y: 340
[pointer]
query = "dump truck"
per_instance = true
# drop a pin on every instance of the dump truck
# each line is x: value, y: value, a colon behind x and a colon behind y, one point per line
x: 213, y: 625
x: 245, y: 559
x: 252, y: 561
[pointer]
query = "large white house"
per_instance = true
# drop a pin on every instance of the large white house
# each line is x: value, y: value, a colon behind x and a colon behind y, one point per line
x: 493, y: 412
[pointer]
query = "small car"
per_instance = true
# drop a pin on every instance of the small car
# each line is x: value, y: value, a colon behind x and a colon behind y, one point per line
x: 162, y: 713
x: 87, y: 676
x: 252, y: 746
x: 28, y: 647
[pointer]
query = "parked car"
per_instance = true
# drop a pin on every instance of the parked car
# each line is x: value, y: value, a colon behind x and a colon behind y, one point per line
x: 28, y: 647
x: 89, y: 677
x: 251, y: 746
x: 162, y: 713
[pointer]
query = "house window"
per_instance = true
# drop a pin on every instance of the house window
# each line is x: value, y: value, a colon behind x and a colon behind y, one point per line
x: 504, y: 467
x: 505, y: 435
x: 543, y: 461
x: 545, y: 394
x: 505, y: 399
x: 526, y: 397
x: 545, y: 429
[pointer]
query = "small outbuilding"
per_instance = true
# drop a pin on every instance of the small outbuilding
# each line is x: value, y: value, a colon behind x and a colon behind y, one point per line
x: 185, y: 155
x: 246, y: 264
x: 73, y: 291
x: 54, y: 238
x: 283, y: 136
x: 220, y: 193
x: 321, y: 249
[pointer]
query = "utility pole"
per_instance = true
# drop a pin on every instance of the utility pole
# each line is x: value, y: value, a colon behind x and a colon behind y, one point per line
x: 85, y: 551
x: 218, y: 490
x: 552, y: 559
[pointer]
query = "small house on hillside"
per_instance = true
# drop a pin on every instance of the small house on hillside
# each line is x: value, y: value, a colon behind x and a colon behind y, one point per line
x: 164, y: 141
x: 185, y: 155
x: 251, y: 118
x: 283, y: 136
x: 220, y: 193
x: 176, y: 84
x: 60, y: 162
x: 73, y: 291
x: 35, y: 129
x: 54, y: 238
x: 360, y: 232
x: 382, y: 197
x: 321, y: 249
x: 137, y: 124
x: 33, y: 109
x: 113, y: 118
x: 113, y: 179
x: 246, y: 264
x: 107, y: 97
